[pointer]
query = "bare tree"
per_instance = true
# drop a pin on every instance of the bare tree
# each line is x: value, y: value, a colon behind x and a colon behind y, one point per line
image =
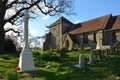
x: 12, y: 11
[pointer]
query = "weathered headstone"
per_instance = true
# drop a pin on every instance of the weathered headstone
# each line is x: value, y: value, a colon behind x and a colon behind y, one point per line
x: 81, y: 61
x: 91, y: 58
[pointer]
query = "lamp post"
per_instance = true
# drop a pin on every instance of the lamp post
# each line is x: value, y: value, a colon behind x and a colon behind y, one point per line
x: 26, y: 62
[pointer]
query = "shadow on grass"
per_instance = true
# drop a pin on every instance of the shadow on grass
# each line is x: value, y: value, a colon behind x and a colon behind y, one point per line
x: 113, y: 64
x: 74, y: 74
x: 108, y: 68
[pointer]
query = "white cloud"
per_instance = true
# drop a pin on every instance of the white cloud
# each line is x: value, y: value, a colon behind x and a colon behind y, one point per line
x: 10, y: 26
x: 46, y: 17
x: 77, y: 21
x: 33, y: 32
x: 10, y: 12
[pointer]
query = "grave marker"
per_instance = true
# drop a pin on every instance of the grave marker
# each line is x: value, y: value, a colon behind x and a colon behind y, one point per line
x: 81, y: 61
x: 91, y: 58
x: 26, y: 62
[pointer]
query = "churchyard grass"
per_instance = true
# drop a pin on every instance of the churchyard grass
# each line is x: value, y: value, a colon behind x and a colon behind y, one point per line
x: 51, y: 67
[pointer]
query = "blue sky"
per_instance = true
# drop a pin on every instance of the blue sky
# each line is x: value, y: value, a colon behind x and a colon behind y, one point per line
x: 84, y: 9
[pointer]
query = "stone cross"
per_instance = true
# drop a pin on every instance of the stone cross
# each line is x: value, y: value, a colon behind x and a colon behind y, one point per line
x: 81, y: 61
x: 26, y: 62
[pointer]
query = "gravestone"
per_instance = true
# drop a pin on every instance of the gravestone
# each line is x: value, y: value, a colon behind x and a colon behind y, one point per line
x: 91, y: 58
x: 81, y: 61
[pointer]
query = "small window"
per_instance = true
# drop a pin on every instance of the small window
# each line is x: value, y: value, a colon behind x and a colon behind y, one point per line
x: 94, y: 37
x: 114, y: 37
x: 85, y: 39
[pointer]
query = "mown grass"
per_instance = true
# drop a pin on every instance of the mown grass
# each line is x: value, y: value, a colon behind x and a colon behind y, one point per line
x: 51, y: 67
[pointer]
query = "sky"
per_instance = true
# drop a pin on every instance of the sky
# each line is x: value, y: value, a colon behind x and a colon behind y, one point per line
x: 84, y: 9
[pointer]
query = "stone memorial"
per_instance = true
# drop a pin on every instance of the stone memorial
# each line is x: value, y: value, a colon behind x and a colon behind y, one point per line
x: 81, y: 61
x: 91, y: 58
x: 26, y: 62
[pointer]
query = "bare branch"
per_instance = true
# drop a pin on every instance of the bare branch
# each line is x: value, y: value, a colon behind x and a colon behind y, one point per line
x: 22, y: 9
x: 41, y: 9
x: 51, y: 7
x: 13, y: 2
x: 63, y: 6
x: 48, y: 5
x: 13, y: 31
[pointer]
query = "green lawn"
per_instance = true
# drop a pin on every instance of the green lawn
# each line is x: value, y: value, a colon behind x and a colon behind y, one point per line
x: 51, y: 67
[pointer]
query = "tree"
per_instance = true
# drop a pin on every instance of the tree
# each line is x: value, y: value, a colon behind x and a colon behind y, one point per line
x: 17, y: 7
x: 9, y: 45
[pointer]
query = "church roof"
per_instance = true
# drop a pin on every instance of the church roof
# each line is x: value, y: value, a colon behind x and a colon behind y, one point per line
x: 91, y: 25
x: 60, y: 20
x: 116, y: 24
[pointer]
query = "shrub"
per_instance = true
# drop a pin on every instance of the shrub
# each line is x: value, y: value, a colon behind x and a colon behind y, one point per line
x: 10, y: 75
x: 95, y: 52
x: 87, y: 49
x: 5, y: 57
x: 9, y: 45
x: 51, y: 52
x: 48, y: 57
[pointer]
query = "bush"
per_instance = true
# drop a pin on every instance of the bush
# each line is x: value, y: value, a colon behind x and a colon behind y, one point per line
x: 10, y: 75
x: 9, y: 45
x: 87, y: 48
x: 5, y: 57
x: 48, y: 57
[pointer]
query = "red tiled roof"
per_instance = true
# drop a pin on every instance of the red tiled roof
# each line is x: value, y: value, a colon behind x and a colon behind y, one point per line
x: 116, y: 24
x: 91, y: 25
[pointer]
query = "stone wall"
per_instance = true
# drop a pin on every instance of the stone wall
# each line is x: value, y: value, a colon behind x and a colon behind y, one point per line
x: 99, y: 38
x: 109, y: 38
x: 118, y: 36
x: 91, y: 42
x: 47, y: 43
x: 55, y: 31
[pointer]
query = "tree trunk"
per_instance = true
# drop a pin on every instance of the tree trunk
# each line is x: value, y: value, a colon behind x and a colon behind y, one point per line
x: 2, y: 39
x: 2, y: 23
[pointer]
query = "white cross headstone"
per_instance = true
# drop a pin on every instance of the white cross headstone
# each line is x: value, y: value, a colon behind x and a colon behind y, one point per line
x: 91, y: 58
x: 26, y: 62
x: 81, y: 61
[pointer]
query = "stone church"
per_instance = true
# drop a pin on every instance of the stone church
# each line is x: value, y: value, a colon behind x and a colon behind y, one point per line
x: 94, y: 33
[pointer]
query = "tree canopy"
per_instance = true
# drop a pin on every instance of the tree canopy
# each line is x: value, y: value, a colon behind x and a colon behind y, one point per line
x: 12, y: 11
